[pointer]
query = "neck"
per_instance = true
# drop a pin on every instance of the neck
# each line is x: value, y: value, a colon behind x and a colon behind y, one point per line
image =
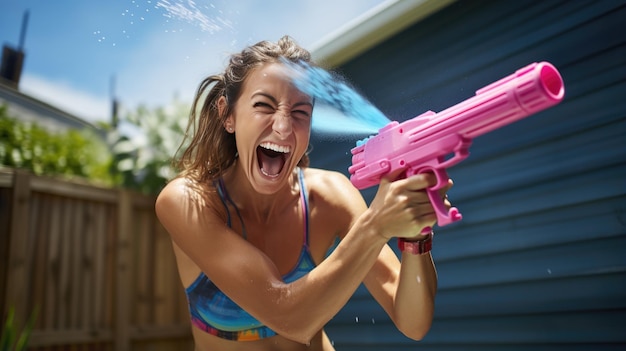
x: 258, y: 207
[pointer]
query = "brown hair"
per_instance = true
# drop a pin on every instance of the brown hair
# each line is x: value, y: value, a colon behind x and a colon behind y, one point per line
x: 211, y: 149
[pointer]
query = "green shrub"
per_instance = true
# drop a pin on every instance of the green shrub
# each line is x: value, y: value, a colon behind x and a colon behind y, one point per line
x: 69, y: 154
x: 143, y: 159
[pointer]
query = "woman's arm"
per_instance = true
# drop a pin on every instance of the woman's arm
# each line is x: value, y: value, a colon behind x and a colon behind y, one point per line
x: 300, y: 309
x: 406, y: 289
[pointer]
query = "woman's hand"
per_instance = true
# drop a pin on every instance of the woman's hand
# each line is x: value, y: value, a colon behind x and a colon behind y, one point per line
x: 402, y: 208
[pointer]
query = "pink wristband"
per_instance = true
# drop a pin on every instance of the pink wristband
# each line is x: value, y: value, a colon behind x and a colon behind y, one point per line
x: 416, y: 247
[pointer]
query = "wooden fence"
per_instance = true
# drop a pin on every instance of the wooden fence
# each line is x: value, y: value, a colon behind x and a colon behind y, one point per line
x: 94, y: 262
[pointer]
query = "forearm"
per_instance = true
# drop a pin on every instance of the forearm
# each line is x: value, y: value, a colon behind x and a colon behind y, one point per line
x: 325, y: 290
x: 414, y: 301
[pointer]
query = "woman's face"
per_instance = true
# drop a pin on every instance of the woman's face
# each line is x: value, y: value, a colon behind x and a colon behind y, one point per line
x: 272, y: 123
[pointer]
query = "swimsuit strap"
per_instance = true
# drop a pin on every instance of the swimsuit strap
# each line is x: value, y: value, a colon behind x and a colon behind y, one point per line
x: 219, y: 185
x: 304, y: 202
x: 224, y: 195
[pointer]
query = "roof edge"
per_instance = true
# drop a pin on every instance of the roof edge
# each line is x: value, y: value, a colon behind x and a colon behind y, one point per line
x: 8, y: 89
x: 371, y: 28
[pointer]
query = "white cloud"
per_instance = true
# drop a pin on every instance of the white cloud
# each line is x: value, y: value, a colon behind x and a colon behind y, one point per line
x: 64, y: 96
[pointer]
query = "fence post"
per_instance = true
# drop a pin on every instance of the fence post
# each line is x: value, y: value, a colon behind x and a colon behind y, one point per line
x: 123, y: 284
x: 17, y: 269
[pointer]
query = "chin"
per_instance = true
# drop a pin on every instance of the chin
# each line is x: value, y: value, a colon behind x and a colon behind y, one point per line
x: 270, y: 184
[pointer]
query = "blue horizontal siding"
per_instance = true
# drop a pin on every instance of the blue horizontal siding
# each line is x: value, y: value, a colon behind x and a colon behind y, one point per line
x: 573, y: 330
x: 539, y: 260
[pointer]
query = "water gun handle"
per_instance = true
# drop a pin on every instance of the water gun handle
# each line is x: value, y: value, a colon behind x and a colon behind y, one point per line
x: 445, y: 216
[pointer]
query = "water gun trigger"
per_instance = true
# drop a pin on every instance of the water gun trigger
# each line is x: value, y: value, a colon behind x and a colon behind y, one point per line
x: 445, y: 216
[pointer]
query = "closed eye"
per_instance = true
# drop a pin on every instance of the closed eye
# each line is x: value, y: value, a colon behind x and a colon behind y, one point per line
x: 263, y: 106
x: 301, y: 114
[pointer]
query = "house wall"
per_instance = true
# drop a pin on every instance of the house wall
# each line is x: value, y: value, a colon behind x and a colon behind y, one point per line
x: 28, y: 109
x: 539, y: 259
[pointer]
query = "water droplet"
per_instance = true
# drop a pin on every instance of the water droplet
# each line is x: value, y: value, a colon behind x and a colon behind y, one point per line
x: 549, y: 271
x: 373, y: 321
x: 357, y: 319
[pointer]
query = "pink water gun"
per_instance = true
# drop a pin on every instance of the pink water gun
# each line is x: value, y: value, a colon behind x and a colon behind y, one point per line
x: 433, y: 142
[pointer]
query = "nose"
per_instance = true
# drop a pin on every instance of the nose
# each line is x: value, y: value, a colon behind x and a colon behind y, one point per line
x: 282, y: 124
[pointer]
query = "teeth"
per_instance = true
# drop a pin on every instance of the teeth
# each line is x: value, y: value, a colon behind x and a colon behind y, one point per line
x: 274, y: 147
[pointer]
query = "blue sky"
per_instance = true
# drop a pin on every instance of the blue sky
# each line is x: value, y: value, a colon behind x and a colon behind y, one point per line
x: 155, y: 49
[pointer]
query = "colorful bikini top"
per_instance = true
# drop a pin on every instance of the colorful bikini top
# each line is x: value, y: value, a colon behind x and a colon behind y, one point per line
x: 215, y: 313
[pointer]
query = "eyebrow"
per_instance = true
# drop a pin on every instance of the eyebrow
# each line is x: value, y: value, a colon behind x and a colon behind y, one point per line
x: 307, y: 103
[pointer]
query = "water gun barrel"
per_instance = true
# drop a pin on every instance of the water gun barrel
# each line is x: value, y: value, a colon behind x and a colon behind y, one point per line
x: 529, y: 90
x: 424, y: 141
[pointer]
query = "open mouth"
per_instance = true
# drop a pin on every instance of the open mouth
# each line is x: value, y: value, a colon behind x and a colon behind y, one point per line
x: 272, y: 158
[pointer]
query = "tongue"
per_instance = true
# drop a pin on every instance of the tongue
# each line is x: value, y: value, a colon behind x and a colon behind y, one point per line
x: 271, y: 162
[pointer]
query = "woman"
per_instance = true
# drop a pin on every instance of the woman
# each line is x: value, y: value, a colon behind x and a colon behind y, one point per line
x: 269, y: 250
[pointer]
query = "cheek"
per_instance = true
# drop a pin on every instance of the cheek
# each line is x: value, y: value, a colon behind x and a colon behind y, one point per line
x: 303, y: 123
x: 303, y: 128
x: 304, y: 136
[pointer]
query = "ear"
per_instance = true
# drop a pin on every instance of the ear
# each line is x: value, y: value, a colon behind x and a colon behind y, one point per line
x: 229, y: 122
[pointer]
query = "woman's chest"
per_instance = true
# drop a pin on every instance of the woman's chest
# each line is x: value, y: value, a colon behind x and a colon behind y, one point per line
x: 285, y: 238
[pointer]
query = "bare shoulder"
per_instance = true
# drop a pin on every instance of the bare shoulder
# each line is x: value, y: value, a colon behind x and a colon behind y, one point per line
x: 176, y: 192
x: 183, y: 202
x: 331, y: 184
x: 333, y: 195
x: 186, y: 189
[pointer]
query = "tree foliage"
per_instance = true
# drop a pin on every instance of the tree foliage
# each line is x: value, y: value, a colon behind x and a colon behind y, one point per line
x: 143, y: 156
x: 136, y: 156
x: 71, y: 153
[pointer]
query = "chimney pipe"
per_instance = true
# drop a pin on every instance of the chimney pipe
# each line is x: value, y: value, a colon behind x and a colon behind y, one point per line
x: 13, y: 59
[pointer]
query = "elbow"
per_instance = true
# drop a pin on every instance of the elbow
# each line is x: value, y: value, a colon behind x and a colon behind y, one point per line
x: 287, y: 321
x: 300, y: 334
x: 417, y: 327
x: 416, y: 332
x: 294, y: 328
x: 297, y: 330
x: 415, y: 323
x: 299, y: 338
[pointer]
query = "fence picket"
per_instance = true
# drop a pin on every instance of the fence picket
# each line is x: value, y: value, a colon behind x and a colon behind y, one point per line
x: 74, y: 251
